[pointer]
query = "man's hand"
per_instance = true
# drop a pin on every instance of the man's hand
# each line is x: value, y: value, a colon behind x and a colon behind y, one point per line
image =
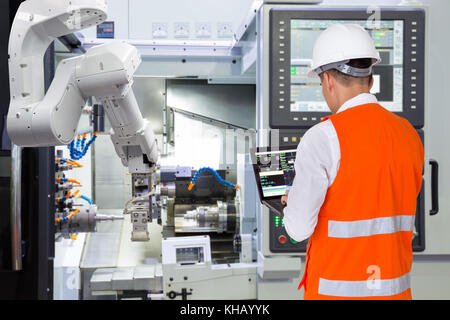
x: 284, y: 198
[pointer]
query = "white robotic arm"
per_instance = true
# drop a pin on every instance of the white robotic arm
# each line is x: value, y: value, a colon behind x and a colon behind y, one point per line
x: 53, y: 120
x: 36, y: 25
x: 105, y: 72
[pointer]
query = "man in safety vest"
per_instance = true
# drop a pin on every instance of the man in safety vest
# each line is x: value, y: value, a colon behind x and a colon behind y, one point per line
x: 358, y: 175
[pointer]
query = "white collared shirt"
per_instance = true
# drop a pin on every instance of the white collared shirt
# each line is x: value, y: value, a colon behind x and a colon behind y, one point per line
x: 316, y: 167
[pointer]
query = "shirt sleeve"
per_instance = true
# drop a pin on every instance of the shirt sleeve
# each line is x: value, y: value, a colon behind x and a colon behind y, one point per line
x: 316, y: 166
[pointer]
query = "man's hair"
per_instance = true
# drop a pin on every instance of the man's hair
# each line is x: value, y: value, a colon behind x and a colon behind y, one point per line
x: 347, y: 80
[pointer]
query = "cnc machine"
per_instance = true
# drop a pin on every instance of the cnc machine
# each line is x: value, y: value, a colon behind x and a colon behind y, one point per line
x: 214, y: 231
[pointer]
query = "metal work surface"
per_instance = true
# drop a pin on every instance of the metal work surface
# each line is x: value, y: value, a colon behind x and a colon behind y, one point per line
x: 111, y: 245
x: 102, y: 247
x: 140, y: 278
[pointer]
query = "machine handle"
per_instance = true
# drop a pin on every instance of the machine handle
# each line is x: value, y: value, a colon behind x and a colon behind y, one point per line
x: 434, y: 187
x: 16, y: 207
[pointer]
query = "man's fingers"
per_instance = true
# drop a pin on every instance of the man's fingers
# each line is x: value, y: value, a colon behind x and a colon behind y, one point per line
x: 284, y: 198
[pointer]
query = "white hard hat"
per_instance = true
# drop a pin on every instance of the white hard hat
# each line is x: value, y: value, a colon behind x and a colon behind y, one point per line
x: 340, y: 43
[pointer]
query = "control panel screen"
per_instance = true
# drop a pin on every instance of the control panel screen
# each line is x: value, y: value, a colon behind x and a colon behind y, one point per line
x: 276, y: 171
x: 306, y: 93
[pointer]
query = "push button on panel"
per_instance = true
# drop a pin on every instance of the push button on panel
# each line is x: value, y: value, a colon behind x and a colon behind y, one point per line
x: 282, y: 239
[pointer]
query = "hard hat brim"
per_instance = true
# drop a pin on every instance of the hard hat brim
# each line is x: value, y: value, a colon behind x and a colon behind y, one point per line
x: 312, y: 74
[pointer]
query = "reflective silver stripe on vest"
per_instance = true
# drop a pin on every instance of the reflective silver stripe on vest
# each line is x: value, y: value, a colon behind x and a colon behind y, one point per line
x: 368, y: 288
x: 370, y: 227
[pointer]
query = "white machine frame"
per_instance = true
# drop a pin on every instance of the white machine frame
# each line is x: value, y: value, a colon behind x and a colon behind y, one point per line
x: 204, y: 280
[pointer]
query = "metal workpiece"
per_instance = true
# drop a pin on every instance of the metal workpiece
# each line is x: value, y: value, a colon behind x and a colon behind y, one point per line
x: 168, y: 189
x: 82, y: 221
x: 63, y: 167
x: 65, y: 186
x: 222, y: 217
x: 85, y: 220
x: 107, y: 217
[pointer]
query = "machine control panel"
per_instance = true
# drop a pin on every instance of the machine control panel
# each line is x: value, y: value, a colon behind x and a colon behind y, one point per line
x: 296, y: 101
x: 285, y: 137
x: 280, y: 240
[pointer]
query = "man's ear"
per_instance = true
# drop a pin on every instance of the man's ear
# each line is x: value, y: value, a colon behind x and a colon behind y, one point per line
x: 329, y: 81
x: 371, y: 83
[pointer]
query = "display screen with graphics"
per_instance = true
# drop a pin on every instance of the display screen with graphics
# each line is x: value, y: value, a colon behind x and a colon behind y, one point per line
x: 276, y: 171
x: 306, y: 94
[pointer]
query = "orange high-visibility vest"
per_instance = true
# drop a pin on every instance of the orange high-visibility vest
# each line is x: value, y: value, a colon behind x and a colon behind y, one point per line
x: 361, y: 247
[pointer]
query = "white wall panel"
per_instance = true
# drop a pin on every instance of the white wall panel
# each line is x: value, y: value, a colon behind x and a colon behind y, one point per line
x: 198, y: 15
x: 117, y: 12
x: 134, y: 18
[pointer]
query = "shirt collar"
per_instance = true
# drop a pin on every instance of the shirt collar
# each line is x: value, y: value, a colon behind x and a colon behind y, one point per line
x: 360, y: 99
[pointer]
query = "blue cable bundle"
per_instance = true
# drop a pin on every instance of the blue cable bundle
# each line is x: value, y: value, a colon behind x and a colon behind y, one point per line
x: 75, y: 196
x: 214, y: 172
x: 81, y: 143
x: 87, y: 199
x: 79, y: 148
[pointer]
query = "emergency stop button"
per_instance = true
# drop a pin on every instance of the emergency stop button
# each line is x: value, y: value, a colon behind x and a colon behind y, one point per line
x: 282, y: 239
